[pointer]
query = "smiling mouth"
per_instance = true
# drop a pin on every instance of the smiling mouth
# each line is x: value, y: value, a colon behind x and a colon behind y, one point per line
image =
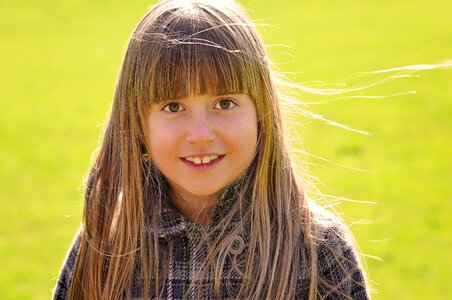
x: 204, y: 160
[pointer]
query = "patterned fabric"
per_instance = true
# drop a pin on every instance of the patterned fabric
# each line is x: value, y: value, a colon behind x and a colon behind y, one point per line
x: 183, y: 240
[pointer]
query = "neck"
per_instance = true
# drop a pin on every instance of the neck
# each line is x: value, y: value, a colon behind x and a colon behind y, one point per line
x: 198, y: 209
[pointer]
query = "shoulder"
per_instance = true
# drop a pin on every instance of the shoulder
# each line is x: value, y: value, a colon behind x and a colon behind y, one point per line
x: 341, y: 274
x: 329, y: 230
x: 65, y: 276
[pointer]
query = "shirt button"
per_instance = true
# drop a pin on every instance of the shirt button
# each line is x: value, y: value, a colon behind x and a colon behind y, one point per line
x: 237, y: 245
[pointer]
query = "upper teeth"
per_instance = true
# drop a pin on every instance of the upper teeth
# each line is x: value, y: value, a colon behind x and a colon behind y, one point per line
x: 203, y: 160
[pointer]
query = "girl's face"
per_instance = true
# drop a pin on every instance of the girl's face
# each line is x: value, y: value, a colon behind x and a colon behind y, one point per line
x: 202, y: 143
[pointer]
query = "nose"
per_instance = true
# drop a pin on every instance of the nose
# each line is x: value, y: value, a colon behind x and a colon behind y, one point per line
x: 200, y: 130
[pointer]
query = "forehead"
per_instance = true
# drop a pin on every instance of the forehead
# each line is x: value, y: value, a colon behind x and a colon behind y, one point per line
x: 180, y: 75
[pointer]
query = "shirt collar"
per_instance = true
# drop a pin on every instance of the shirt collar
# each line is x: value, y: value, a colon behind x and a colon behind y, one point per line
x: 172, y: 223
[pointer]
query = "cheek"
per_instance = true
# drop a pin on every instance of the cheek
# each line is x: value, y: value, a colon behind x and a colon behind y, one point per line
x: 244, y: 137
x: 162, y: 138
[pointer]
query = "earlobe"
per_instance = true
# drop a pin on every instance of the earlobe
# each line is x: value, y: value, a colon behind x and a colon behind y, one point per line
x: 145, y: 157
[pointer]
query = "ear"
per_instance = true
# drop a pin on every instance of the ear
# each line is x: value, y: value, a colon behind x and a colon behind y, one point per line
x: 145, y: 157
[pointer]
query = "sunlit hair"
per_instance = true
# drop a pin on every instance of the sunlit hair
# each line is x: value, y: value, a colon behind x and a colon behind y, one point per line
x: 183, y: 48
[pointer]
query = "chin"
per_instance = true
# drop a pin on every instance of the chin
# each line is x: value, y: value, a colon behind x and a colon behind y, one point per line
x: 204, y: 190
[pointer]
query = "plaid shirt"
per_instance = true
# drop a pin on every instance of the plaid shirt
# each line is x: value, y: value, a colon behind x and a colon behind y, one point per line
x: 187, y: 251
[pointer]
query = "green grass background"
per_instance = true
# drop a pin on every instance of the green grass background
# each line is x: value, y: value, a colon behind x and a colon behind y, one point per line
x: 58, y: 66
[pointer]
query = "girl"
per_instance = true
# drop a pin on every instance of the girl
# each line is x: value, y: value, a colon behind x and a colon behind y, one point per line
x: 193, y: 194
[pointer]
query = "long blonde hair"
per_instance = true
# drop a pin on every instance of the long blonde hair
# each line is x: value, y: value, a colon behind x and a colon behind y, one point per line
x: 181, y: 48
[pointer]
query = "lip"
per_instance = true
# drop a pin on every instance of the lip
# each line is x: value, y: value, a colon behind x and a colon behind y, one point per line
x: 202, y: 167
x: 201, y: 155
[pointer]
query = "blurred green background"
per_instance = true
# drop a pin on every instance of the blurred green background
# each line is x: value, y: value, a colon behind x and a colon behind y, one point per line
x: 58, y: 66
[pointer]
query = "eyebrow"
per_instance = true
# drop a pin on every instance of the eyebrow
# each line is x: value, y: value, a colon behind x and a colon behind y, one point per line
x: 230, y: 93
x: 210, y: 95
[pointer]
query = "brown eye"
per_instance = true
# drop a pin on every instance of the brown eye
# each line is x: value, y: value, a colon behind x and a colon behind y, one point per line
x: 172, y: 107
x: 225, y: 104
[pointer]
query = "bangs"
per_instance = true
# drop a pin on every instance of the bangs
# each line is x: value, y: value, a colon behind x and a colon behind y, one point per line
x: 194, y: 56
x: 204, y: 71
